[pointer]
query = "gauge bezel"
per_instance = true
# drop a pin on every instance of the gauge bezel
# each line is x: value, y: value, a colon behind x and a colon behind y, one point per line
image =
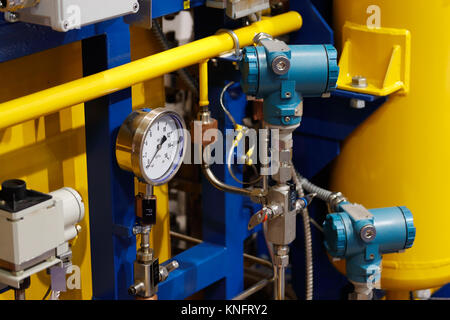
x: 131, y: 139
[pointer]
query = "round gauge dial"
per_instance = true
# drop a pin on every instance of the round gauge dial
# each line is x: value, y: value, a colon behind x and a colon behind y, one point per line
x: 161, y: 147
x: 152, y: 145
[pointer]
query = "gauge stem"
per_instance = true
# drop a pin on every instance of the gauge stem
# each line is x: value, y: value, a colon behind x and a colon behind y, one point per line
x: 148, y: 191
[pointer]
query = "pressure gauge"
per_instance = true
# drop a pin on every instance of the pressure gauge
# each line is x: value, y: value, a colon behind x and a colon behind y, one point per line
x: 152, y: 144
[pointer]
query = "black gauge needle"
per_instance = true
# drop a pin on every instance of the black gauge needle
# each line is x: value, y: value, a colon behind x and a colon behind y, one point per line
x: 158, y: 147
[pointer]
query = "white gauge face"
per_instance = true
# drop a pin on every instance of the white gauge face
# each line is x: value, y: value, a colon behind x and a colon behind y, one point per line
x: 162, y: 148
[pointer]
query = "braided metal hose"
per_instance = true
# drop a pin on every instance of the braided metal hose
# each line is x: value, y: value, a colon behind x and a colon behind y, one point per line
x: 309, y: 187
x: 333, y: 199
x: 309, y: 267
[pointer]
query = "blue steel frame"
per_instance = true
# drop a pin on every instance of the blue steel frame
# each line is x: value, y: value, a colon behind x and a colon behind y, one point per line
x: 105, y: 45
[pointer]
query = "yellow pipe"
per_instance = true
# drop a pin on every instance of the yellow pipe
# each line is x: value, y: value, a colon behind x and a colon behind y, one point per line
x: 203, y: 83
x: 54, y: 99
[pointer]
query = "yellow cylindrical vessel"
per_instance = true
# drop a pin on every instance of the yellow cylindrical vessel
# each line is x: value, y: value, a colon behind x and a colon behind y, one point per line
x: 401, y: 154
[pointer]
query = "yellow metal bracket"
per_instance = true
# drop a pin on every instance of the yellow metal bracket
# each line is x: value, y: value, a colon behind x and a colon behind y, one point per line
x: 381, y: 55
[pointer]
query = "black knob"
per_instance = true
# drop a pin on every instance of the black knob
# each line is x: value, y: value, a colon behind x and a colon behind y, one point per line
x: 14, y: 190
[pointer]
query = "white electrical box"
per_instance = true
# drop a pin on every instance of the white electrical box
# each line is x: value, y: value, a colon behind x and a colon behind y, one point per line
x: 65, y: 15
x: 31, y: 235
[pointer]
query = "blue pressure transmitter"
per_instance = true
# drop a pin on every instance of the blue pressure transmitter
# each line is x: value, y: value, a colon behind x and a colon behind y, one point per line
x: 282, y: 75
x: 362, y: 236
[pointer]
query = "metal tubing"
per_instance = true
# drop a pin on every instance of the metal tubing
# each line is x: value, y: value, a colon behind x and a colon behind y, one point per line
x: 281, y: 259
x: 185, y: 237
x: 97, y: 85
x: 261, y: 261
x: 19, y: 294
x: 253, y: 289
x: 223, y: 186
x: 265, y: 157
x: 198, y: 241
x: 280, y: 273
x: 148, y: 191
x: 145, y: 241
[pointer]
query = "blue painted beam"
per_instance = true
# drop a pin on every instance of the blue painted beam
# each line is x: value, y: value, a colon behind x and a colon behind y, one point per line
x: 111, y: 190
x: 224, y: 221
x: 22, y: 39
x: 200, y: 266
x: 355, y: 95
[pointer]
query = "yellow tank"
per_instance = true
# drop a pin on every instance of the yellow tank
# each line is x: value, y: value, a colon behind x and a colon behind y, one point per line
x: 401, y: 154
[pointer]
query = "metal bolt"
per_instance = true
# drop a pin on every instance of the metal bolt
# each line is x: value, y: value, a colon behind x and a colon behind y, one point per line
x: 287, y: 119
x: 359, y: 82
x: 135, y: 7
x: 287, y: 94
x: 357, y: 103
x: 281, y: 65
x: 172, y: 266
x: 368, y: 233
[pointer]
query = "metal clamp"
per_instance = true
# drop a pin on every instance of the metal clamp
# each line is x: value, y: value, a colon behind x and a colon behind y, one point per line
x: 237, y: 47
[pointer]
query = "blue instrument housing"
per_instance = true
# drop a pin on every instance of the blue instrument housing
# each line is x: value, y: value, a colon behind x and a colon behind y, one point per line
x: 395, y: 232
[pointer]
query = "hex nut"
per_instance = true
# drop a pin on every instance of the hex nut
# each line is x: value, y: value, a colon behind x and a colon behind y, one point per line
x: 357, y: 103
x: 281, y: 260
x: 359, y: 82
